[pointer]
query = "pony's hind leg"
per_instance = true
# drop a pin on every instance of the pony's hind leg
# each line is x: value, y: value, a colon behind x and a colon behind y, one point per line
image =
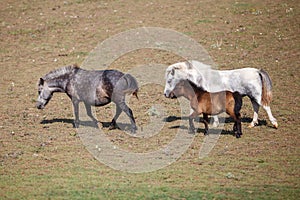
x: 216, y: 122
x: 272, y: 119
x: 237, y: 127
x: 205, y: 120
x: 113, y: 124
x: 129, y: 113
x: 255, y: 106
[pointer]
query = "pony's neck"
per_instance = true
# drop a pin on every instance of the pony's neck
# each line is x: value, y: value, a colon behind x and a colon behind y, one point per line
x: 59, y: 84
x: 189, y: 91
x: 60, y: 78
x: 194, y: 91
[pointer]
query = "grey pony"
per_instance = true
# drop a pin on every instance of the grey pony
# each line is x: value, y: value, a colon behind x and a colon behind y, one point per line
x: 92, y: 87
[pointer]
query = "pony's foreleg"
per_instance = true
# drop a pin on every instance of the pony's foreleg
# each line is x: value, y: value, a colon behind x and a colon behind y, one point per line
x: 76, y: 113
x: 193, y: 115
x: 113, y: 124
x: 272, y: 119
x: 205, y: 120
x: 255, y: 106
x: 89, y: 112
x: 129, y: 113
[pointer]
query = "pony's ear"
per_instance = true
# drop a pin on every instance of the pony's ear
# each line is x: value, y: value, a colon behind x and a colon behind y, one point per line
x: 189, y: 65
x: 41, y: 81
x: 177, y: 66
x: 173, y: 72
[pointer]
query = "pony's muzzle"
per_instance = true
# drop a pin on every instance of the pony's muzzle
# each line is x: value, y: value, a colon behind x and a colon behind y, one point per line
x: 39, y: 105
x: 170, y: 95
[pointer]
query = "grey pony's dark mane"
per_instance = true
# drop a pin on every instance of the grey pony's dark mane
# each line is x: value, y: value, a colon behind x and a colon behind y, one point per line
x: 61, y: 71
x: 196, y: 86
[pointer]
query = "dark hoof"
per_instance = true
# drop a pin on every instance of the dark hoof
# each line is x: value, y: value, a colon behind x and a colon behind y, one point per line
x: 234, y: 129
x: 76, y: 125
x: 112, y: 127
x: 205, y: 132
x: 237, y: 135
x: 133, y: 131
x: 192, y: 131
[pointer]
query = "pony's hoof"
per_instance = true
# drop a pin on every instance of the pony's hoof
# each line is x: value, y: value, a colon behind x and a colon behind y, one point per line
x: 252, y: 124
x: 133, y: 131
x: 215, y: 124
x: 238, y: 135
x: 192, y: 131
x: 112, y: 127
x: 76, y: 125
x: 275, y: 124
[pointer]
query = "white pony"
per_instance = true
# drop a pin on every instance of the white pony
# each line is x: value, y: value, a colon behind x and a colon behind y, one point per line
x: 251, y: 82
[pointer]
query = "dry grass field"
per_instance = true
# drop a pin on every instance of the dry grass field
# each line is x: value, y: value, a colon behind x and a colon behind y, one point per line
x: 42, y: 156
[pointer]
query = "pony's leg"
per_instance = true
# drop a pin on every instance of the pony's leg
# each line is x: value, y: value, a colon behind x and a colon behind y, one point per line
x: 216, y: 121
x: 113, y: 124
x: 234, y: 128
x: 255, y: 106
x: 238, y: 126
x: 76, y: 113
x: 88, y: 108
x: 192, y: 116
x: 272, y: 119
x: 191, y: 125
x: 205, y: 120
x: 129, y: 113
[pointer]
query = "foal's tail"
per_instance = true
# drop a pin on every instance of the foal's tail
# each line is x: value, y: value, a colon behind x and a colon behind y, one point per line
x: 266, y: 96
x: 129, y: 85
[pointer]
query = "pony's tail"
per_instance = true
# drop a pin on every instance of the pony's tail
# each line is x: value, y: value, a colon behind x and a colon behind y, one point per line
x: 129, y: 85
x: 266, y: 96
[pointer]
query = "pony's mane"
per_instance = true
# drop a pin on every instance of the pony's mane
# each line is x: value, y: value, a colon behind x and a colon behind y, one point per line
x: 60, y: 72
x: 195, y: 85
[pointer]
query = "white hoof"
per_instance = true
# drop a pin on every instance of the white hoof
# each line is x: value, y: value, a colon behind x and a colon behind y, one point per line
x: 275, y: 124
x: 215, y: 124
x: 252, y: 124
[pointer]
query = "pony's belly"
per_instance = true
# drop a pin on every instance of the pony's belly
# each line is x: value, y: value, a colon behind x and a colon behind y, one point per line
x: 101, y: 104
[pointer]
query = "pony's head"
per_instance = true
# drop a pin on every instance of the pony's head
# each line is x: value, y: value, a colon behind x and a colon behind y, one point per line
x: 188, y: 70
x: 54, y: 81
x: 179, y: 89
x: 175, y: 73
x: 45, y: 94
